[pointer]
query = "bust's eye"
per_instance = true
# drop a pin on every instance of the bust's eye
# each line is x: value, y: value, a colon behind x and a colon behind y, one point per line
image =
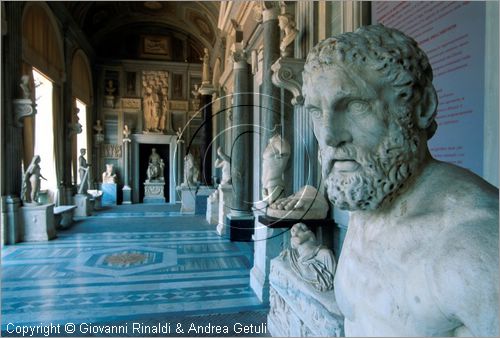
x: 358, y: 106
x: 315, y: 113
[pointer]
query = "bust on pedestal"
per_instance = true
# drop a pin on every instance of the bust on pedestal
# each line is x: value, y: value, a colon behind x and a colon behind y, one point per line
x: 108, y: 187
x: 155, y: 183
x: 109, y: 97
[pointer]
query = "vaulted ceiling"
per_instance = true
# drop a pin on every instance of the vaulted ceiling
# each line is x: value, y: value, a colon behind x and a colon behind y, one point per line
x: 114, y: 28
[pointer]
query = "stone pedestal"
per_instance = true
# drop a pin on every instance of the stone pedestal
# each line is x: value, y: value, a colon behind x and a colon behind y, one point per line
x: 154, y: 192
x: 109, y: 101
x: 212, y: 214
x: 225, y: 197
x: 127, y: 195
x: 38, y: 222
x: 83, y: 206
x: 240, y: 227
x: 13, y: 230
x: 188, y: 199
x: 109, y: 194
x: 201, y: 199
x: 97, y: 197
x: 299, y: 310
x: 268, y: 243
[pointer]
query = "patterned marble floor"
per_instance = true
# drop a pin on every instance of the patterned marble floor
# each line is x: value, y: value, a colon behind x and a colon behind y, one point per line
x: 137, y: 264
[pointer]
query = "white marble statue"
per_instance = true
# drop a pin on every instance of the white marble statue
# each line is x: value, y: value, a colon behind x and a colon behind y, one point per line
x: 420, y: 257
x: 224, y: 162
x: 83, y: 171
x: 25, y: 87
x: 126, y: 132
x: 307, y: 203
x: 31, y: 182
x: 109, y: 176
x: 150, y: 110
x: 274, y: 161
x: 286, y: 23
x: 191, y: 171
x: 205, y: 76
x: 155, y: 167
x: 311, y: 261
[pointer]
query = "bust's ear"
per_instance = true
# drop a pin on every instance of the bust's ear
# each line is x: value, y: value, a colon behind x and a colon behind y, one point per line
x: 427, y: 107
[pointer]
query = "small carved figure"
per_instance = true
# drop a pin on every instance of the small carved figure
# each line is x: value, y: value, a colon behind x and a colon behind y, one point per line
x: 155, y: 167
x: 31, y: 182
x: 274, y: 161
x: 287, y: 24
x: 109, y: 176
x: 195, y: 102
x: 149, y: 110
x: 205, y: 76
x: 312, y: 262
x: 225, y: 163
x: 126, y: 132
x: 25, y: 79
x: 179, y: 136
x: 98, y: 127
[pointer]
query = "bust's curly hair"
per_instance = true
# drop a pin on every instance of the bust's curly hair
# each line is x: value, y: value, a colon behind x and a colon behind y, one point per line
x: 396, y: 56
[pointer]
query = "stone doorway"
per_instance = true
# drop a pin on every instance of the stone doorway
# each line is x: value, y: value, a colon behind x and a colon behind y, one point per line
x: 144, y: 151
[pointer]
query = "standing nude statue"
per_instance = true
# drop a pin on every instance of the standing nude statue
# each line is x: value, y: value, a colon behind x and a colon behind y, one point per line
x: 31, y: 182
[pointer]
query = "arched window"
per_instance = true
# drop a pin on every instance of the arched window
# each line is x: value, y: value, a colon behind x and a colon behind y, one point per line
x: 43, y: 59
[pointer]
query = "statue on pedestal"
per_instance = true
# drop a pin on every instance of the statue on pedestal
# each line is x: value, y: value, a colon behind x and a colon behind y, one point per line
x: 110, y: 89
x: 109, y: 176
x: 225, y: 163
x: 98, y: 136
x: 155, y: 167
x: 312, y: 262
x: 191, y: 172
x: 31, y: 182
x: 83, y: 171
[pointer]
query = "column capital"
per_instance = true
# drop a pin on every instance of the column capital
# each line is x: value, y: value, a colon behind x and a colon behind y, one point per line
x: 238, y: 56
x: 266, y: 10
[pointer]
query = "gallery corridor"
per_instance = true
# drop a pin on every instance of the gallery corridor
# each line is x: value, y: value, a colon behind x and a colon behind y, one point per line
x: 131, y: 264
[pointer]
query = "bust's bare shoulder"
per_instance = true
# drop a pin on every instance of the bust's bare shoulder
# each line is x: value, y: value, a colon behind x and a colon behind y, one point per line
x: 462, y: 268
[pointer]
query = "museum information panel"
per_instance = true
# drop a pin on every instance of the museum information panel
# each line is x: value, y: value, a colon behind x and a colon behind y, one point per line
x: 452, y: 35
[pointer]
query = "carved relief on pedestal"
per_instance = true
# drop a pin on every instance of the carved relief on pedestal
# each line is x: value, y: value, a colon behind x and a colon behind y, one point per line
x: 112, y: 150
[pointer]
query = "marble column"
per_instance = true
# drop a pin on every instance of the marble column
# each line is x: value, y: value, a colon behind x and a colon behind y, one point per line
x: 13, y: 147
x: 206, y: 135
x: 240, y: 220
x: 66, y: 116
x: 127, y: 191
x: 270, y: 94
